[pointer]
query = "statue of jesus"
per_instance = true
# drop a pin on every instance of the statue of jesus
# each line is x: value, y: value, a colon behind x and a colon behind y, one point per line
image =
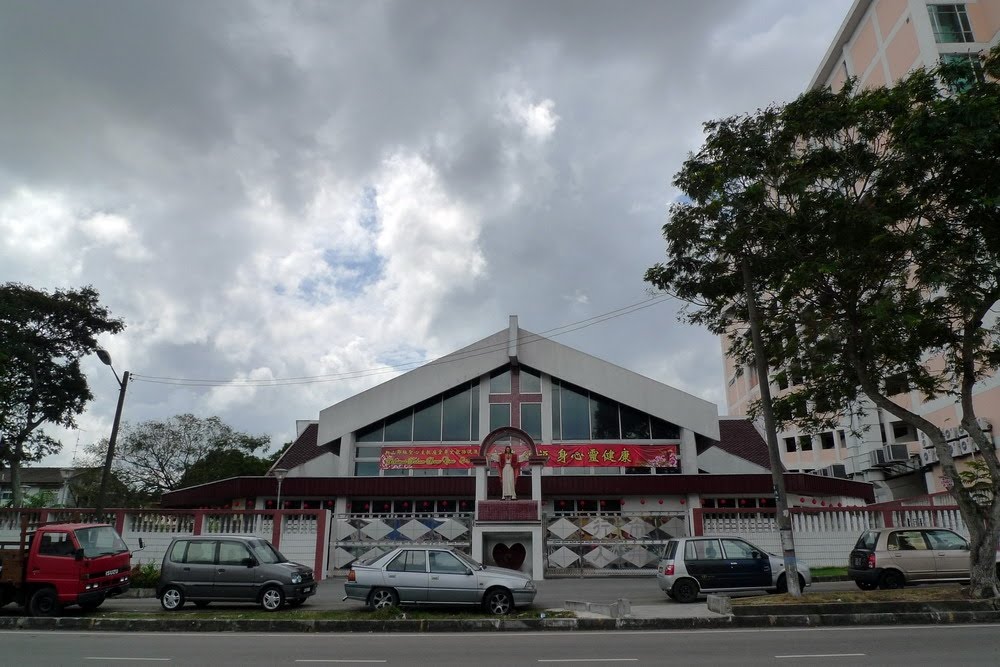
x: 508, y: 464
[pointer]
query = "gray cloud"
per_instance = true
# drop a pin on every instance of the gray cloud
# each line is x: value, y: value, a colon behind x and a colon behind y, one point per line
x: 295, y: 189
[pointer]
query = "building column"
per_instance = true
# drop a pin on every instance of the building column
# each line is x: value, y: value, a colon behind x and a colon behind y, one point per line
x: 689, y: 452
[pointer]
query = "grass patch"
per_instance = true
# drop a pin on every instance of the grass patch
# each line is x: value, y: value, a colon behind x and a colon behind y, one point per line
x: 829, y: 571
x: 913, y: 594
x: 307, y: 615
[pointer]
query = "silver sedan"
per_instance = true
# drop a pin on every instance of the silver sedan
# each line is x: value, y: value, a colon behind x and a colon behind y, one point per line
x: 437, y: 575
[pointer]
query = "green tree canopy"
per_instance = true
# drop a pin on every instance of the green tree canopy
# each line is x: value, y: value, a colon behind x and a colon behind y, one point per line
x: 871, y: 219
x: 154, y: 456
x: 43, y: 336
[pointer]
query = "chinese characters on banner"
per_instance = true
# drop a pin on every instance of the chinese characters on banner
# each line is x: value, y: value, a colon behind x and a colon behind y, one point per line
x: 558, y: 456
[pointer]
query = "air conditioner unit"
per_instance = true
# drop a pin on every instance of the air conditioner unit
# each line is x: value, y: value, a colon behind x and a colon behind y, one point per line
x: 836, y: 470
x: 984, y: 423
x: 951, y: 434
x: 924, y: 440
x: 877, y: 457
x: 928, y: 457
x: 896, y: 453
x: 965, y: 445
x: 955, y: 451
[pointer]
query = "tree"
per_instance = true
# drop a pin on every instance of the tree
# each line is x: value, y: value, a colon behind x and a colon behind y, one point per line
x: 223, y: 464
x: 155, y: 456
x: 874, y: 219
x: 43, y: 336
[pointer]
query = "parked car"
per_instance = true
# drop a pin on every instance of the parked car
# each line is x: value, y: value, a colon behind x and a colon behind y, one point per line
x: 692, y: 566
x: 437, y: 575
x: 894, y: 557
x: 231, y: 568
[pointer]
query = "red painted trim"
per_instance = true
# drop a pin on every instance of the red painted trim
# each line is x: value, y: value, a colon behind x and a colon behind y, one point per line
x: 199, y: 518
x: 321, y: 522
x: 120, y: 522
x: 698, y: 521
x: 279, y: 516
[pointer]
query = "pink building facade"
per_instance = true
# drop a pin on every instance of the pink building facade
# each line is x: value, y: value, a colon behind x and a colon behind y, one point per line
x: 879, y: 42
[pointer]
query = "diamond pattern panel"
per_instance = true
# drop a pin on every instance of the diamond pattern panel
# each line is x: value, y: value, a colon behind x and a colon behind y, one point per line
x: 600, y: 557
x: 610, y: 542
x: 563, y: 558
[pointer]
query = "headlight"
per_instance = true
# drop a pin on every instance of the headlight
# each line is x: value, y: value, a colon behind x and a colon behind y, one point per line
x: 529, y: 585
x: 296, y: 578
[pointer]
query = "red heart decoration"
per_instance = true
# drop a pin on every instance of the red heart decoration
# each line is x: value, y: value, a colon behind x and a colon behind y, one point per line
x: 509, y: 557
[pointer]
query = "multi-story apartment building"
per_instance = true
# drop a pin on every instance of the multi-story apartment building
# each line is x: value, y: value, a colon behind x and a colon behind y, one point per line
x: 879, y: 42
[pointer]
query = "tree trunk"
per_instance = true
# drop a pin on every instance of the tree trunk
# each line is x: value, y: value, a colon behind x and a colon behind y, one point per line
x: 15, y: 483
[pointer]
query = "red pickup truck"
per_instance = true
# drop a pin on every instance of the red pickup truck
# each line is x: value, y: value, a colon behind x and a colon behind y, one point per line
x: 59, y: 564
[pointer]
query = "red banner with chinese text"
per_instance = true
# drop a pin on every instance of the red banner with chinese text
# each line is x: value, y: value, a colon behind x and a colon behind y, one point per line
x: 558, y: 456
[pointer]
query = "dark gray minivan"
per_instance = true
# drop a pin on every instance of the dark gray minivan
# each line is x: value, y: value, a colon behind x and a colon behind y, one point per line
x: 231, y: 568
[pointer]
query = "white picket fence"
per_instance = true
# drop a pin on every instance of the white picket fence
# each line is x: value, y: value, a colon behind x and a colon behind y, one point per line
x: 301, y: 535
x: 824, y: 537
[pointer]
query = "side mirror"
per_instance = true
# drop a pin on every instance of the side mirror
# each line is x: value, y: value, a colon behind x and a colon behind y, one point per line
x: 78, y: 554
x: 756, y: 555
x: 468, y: 572
x: 250, y: 562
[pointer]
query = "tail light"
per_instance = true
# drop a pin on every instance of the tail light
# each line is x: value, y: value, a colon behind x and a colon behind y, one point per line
x: 871, y: 561
x: 351, y: 576
x: 669, y: 570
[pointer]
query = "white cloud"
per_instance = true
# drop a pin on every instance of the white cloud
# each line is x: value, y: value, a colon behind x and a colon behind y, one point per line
x: 537, y: 120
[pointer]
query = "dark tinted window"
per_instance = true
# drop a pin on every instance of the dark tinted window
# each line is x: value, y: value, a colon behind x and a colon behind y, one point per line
x: 531, y: 419
x: 575, y: 413
x: 427, y: 421
x: 399, y: 427
x: 177, y: 553
x: 56, y: 544
x: 635, y: 424
x: 604, y: 418
x: 671, y: 549
x: 867, y: 541
x: 457, y: 411
x: 703, y: 550
x: 664, y: 430
x: 531, y: 383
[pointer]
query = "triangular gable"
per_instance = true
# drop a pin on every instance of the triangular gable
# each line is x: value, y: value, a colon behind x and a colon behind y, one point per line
x: 536, y: 351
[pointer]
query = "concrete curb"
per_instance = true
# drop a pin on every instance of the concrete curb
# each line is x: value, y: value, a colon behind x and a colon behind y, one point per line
x: 492, y: 625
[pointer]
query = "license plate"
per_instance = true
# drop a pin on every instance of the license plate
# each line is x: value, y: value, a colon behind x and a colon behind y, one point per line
x: 307, y: 589
x: 110, y: 572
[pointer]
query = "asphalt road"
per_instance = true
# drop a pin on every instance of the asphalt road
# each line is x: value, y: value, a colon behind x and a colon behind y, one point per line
x: 876, y: 645
x: 645, y: 596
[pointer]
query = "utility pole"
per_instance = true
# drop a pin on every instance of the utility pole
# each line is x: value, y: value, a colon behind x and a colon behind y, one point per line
x: 109, y: 457
x: 782, y: 515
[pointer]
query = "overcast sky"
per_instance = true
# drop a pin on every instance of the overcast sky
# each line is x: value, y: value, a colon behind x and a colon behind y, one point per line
x: 298, y: 189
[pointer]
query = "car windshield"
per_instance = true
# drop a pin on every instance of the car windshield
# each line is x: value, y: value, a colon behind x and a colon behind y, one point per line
x: 469, y: 560
x: 265, y: 553
x: 867, y: 541
x: 99, y: 541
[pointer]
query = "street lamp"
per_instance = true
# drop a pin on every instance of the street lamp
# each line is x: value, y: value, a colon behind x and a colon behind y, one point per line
x: 279, y: 474
x: 66, y: 474
x: 106, y: 473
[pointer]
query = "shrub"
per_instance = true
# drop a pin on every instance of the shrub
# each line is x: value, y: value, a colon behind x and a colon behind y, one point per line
x: 145, y: 575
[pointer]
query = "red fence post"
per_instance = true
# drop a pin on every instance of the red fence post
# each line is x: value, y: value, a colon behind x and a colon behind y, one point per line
x: 120, y: 521
x: 276, y: 528
x: 697, y: 521
x: 199, y: 517
x: 322, y: 519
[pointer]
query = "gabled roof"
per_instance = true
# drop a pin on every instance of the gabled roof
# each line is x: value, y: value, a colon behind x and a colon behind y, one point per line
x: 304, y: 449
x: 538, y: 352
x: 41, y: 476
x: 739, y: 436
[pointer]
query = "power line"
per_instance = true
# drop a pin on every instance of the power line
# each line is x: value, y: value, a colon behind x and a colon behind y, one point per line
x: 351, y: 375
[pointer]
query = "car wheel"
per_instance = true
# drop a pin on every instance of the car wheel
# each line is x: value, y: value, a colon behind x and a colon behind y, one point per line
x: 201, y: 604
x: 783, y: 584
x: 866, y: 585
x: 685, y: 590
x: 297, y: 602
x: 498, y: 602
x: 670, y: 594
x: 272, y: 598
x: 90, y: 606
x: 891, y: 579
x: 172, y: 598
x: 44, y: 602
x: 383, y: 598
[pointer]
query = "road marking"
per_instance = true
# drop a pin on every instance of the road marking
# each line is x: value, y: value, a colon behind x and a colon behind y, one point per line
x: 589, y: 660
x: 822, y: 655
x: 137, y: 659
x: 350, y: 662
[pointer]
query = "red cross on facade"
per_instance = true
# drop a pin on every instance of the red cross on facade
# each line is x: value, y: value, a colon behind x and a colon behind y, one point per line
x: 515, y: 398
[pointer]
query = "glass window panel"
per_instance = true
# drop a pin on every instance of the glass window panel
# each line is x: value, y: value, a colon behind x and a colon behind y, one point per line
x: 531, y: 382
x: 416, y: 561
x: 664, y: 430
x: 475, y: 410
x: 575, y: 414
x: 425, y: 472
x: 232, y: 553
x: 635, y: 424
x: 556, y: 421
x: 604, y: 418
x: 366, y: 469
x: 443, y: 562
x: 500, y: 381
x: 607, y: 471
x: 457, y: 410
x: 370, y: 433
x: 531, y: 419
x: 427, y: 421
x: 950, y: 23
x: 456, y: 472
x: 399, y: 427
x: 368, y: 452
x: 396, y: 472
x: 499, y: 415
x: 398, y: 563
